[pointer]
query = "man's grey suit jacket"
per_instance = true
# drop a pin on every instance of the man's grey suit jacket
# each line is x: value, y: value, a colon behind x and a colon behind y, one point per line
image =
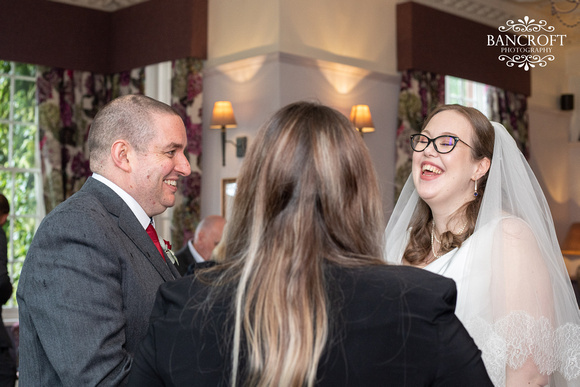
x: 86, y: 292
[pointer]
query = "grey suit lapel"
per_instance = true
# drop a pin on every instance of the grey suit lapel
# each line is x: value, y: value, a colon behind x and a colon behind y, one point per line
x: 172, y: 267
x: 132, y: 228
x: 129, y: 224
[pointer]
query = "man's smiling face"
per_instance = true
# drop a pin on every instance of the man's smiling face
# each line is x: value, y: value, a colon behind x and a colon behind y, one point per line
x: 154, y: 172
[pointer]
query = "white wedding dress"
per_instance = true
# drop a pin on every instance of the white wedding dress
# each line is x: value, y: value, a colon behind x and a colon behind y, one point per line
x: 514, y: 294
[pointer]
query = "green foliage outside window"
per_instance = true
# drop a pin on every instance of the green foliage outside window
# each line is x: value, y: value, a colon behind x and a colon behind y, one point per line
x: 19, y: 165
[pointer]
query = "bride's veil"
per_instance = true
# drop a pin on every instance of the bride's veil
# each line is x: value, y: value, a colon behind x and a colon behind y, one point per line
x: 516, y: 299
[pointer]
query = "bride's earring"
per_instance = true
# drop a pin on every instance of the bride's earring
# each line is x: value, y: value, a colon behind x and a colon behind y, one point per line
x: 475, y: 193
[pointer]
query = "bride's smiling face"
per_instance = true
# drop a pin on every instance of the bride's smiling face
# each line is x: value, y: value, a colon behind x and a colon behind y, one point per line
x: 446, y: 180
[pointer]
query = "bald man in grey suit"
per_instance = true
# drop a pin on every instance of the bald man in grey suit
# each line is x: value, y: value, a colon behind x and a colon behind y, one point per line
x: 90, y: 276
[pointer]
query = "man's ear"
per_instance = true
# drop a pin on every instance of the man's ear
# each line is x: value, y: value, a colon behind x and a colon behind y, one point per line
x: 201, y: 236
x: 482, y: 168
x: 120, y: 155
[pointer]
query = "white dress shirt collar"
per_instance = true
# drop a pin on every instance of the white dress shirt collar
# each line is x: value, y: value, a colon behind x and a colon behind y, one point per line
x: 139, y: 212
x: 198, y: 258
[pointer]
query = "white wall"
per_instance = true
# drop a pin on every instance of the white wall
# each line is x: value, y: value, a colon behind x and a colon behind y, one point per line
x: 253, y: 87
x: 239, y: 29
x: 360, y: 33
x: 553, y: 156
x: 549, y: 161
x: 264, y: 54
x: 256, y: 97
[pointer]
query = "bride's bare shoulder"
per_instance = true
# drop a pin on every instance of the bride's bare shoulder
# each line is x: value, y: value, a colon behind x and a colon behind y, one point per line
x: 515, y: 227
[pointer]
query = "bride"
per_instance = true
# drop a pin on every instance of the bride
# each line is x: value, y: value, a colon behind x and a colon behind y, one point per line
x: 472, y: 210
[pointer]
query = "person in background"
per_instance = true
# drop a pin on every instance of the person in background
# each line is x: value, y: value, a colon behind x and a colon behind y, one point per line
x: 301, y: 295
x: 472, y: 210
x: 89, y: 279
x: 7, y: 362
x: 208, y: 234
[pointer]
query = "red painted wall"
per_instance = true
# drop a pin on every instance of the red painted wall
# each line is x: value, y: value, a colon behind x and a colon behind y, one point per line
x: 55, y: 34
x: 439, y: 42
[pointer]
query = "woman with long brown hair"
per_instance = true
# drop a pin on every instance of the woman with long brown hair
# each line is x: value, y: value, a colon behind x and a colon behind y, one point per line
x: 300, y: 295
x: 472, y: 210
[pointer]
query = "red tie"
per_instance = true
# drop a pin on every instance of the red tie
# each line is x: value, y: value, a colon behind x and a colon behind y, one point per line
x: 153, y: 235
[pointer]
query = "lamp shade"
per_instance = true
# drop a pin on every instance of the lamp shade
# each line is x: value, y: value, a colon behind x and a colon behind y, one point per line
x: 360, y: 116
x: 571, y: 245
x: 571, y: 251
x: 223, y: 115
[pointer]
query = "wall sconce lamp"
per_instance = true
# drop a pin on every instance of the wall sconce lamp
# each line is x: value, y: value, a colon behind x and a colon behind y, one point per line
x: 222, y: 118
x: 571, y: 251
x: 360, y: 116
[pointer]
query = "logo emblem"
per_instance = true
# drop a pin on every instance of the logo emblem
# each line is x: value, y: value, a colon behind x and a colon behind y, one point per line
x: 526, y: 43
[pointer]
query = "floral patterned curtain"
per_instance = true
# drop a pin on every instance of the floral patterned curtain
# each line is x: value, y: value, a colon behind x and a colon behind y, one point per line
x: 420, y: 93
x: 68, y: 101
x: 511, y: 110
x: 186, y: 98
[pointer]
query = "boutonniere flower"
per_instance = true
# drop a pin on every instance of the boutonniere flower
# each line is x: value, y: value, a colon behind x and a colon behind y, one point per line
x: 168, y: 252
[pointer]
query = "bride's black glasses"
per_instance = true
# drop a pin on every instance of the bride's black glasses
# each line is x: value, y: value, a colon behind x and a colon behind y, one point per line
x: 442, y: 144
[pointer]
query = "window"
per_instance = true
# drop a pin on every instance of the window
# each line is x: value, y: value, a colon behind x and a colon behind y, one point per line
x: 20, y: 177
x: 467, y: 93
x: 158, y: 86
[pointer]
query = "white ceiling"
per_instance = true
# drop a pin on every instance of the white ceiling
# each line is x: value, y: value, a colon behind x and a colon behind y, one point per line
x: 491, y: 12
x: 482, y: 9
x: 103, y: 5
x: 113, y: 5
x: 495, y: 13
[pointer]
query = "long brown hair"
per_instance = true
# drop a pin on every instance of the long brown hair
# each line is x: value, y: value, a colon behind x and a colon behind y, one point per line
x: 419, y: 245
x: 307, y: 197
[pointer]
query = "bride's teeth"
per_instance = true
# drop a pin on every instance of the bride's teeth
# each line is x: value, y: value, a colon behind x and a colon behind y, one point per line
x: 431, y: 168
x: 171, y: 182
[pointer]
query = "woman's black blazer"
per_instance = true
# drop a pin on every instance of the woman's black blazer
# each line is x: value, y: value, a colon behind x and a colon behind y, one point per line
x: 390, y: 326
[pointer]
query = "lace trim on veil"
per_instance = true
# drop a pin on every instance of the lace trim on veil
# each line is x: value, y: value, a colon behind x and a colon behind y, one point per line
x: 511, y: 340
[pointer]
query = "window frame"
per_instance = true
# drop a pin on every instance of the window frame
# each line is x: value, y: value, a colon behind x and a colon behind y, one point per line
x: 10, y: 310
x: 471, y: 93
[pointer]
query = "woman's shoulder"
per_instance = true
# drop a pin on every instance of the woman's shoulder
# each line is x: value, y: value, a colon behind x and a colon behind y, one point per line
x: 393, y: 282
x: 397, y: 273
x: 183, y: 292
x: 513, y: 227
